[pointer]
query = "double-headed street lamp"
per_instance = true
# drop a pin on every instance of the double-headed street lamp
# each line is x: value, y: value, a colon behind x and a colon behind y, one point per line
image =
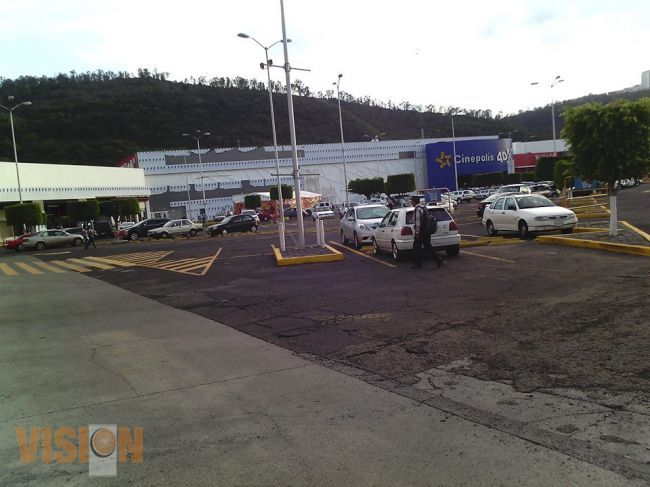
x: 197, y: 137
x: 13, y: 138
x: 558, y: 79
x: 267, y: 66
x: 345, y: 169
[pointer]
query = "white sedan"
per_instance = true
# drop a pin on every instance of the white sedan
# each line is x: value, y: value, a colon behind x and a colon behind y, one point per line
x: 176, y: 227
x: 524, y: 213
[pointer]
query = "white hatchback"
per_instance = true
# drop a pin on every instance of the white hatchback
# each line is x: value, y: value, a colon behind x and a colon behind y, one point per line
x: 394, y: 233
x: 524, y: 213
x: 359, y: 223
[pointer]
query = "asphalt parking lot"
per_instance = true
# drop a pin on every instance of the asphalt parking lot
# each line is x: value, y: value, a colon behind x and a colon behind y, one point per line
x: 536, y: 317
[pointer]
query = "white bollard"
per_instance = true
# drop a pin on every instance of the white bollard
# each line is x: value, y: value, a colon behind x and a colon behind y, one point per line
x: 322, y: 232
x: 318, y: 240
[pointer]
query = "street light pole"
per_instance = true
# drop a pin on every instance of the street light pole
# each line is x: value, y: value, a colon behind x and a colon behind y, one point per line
x: 345, y: 169
x: 292, y: 132
x: 275, y: 137
x: 453, y: 145
x: 13, y: 138
x: 558, y: 79
x: 198, y: 151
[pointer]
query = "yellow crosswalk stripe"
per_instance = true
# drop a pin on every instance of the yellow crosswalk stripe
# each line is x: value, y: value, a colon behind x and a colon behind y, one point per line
x: 28, y: 268
x: 174, y: 263
x: 8, y: 271
x: 106, y: 260
x: 90, y: 263
x: 70, y: 266
x: 50, y: 268
x: 191, y: 265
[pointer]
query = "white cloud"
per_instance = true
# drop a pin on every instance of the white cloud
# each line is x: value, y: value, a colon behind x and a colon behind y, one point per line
x: 471, y: 54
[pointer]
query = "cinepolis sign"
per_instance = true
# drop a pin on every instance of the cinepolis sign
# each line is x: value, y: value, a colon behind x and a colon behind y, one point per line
x: 473, y: 156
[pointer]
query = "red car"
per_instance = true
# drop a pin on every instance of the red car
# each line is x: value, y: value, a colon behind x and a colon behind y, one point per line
x: 266, y: 215
x: 17, y: 243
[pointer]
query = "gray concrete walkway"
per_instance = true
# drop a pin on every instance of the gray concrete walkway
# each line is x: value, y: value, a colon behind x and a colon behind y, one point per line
x: 222, y: 408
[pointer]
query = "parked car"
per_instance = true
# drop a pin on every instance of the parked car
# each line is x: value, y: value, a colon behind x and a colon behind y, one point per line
x: 125, y: 225
x: 51, y: 238
x: 545, y: 190
x: 252, y: 213
x: 266, y: 215
x: 515, y: 188
x: 487, y: 202
x: 16, y: 243
x: 463, y: 195
x: 359, y: 223
x: 322, y: 213
x: 232, y: 224
x: 75, y: 230
x: 175, y: 228
x: 524, y: 213
x: 140, y: 230
x: 318, y: 206
x: 394, y: 233
x: 292, y: 212
x: 103, y: 229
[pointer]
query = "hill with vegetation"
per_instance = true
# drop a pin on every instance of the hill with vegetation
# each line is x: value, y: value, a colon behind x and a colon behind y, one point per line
x: 98, y: 118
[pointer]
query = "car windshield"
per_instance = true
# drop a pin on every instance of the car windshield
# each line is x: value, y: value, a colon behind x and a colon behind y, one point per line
x: 372, y: 213
x: 227, y: 219
x: 535, y: 201
x: 169, y: 223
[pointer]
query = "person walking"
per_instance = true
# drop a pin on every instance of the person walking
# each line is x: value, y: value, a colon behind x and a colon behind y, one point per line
x: 422, y: 236
x: 89, y: 237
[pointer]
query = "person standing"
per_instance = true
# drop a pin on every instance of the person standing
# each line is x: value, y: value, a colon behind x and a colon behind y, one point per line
x: 89, y: 237
x: 422, y: 234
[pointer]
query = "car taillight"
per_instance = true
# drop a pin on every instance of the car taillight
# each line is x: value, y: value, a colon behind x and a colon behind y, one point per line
x: 406, y: 231
x: 453, y: 225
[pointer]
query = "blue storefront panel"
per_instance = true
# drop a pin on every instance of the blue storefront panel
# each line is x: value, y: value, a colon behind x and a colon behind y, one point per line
x: 477, y: 156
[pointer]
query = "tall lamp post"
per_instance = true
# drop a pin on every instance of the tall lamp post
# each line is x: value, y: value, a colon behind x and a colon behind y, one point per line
x: 13, y: 138
x: 345, y: 168
x: 558, y: 79
x: 267, y: 66
x: 197, y: 137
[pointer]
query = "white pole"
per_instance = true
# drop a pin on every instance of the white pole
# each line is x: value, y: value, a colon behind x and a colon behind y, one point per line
x: 345, y: 169
x: 292, y: 131
x: 553, y: 119
x: 198, y: 151
x: 322, y: 232
x: 277, y: 158
x: 13, y: 138
x: 453, y: 143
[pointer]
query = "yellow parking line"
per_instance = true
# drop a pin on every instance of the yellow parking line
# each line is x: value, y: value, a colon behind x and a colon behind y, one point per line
x: 50, y: 268
x: 111, y: 261
x: 8, y: 271
x: 28, y: 268
x: 90, y: 263
x: 487, y: 256
x: 362, y: 254
x: 247, y: 255
x: 207, y: 267
x: 70, y: 266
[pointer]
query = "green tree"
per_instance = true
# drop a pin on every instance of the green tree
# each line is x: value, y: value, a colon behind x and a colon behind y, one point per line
x: 287, y: 192
x: 83, y: 211
x: 544, y: 168
x: 252, y: 201
x: 400, y: 183
x: 609, y: 143
x: 366, y: 186
x: 27, y: 215
x: 562, y: 170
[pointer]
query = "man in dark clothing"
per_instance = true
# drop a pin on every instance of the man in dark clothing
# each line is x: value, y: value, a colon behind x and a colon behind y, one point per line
x: 422, y: 237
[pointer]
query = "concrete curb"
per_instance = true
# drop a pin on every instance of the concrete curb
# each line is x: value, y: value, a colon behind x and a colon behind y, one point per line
x: 306, y: 259
x: 489, y: 242
x: 593, y: 244
x: 637, y: 230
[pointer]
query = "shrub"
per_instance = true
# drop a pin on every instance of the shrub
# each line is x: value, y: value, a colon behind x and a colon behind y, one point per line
x: 544, y: 168
x: 25, y: 215
x: 252, y: 201
x: 83, y: 211
x: 367, y: 187
x: 487, y: 179
x: 287, y: 192
x: 400, y: 183
x: 562, y: 169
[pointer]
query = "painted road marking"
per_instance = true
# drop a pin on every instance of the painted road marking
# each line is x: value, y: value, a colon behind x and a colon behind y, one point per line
x: 90, y: 263
x: 54, y: 253
x: 70, y: 266
x: 362, y: 254
x: 48, y: 267
x: 195, y: 266
x: 487, y: 256
x: 247, y: 255
x: 28, y: 268
x: 8, y: 271
x: 105, y: 260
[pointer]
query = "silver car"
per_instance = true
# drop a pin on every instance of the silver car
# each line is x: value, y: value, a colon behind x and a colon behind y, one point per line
x: 359, y: 223
x: 52, y: 238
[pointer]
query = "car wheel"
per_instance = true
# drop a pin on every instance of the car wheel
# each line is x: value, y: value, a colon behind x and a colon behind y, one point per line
x: 489, y: 226
x: 453, y: 251
x: 375, y: 247
x: 192, y: 233
x: 164, y: 235
x: 40, y: 246
x: 397, y: 255
x: 20, y: 248
x: 523, y: 229
x: 357, y: 244
x: 77, y: 242
x: 567, y: 230
x: 254, y: 229
x: 344, y: 239
x: 209, y: 233
x: 133, y: 236
x: 224, y: 233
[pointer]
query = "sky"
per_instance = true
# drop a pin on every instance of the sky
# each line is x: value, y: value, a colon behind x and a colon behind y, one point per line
x: 465, y: 53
